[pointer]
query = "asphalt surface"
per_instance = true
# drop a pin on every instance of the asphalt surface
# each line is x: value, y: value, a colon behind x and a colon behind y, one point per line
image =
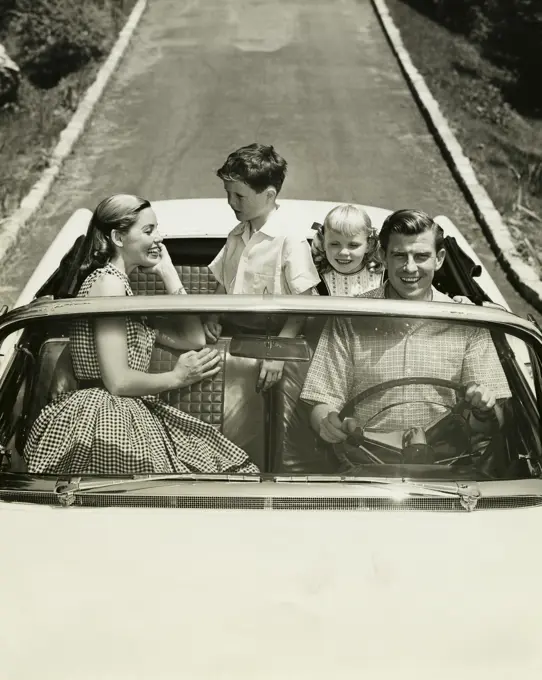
x: 202, y: 77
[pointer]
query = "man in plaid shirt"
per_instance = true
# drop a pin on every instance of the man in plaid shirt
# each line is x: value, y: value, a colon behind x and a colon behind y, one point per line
x: 354, y: 354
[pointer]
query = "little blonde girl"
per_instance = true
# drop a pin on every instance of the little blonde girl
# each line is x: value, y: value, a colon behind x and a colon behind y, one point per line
x: 344, y: 250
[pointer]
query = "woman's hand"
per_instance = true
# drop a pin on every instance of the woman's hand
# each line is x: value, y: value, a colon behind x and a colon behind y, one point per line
x: 164, y: 266
x: 192, y: 367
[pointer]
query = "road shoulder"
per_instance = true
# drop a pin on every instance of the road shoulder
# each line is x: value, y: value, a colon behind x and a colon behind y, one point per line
x: 522, y: 276
x: 12, y: 226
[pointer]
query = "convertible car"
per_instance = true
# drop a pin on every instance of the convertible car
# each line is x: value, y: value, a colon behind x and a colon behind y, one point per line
x: 427, y: 568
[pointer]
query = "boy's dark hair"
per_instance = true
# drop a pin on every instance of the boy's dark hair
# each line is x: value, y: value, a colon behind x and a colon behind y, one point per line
x: 256, y: 165
x: 410, y: 223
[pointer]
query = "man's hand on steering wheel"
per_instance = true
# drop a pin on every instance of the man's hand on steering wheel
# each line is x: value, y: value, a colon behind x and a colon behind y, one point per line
x: 334, y: 430
x: 480, y: 397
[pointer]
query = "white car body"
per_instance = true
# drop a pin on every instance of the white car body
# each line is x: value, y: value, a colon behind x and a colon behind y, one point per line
x: 107, y: 594
x: 139, y: 593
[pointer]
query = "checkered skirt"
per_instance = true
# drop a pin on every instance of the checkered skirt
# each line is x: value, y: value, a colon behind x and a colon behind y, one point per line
x: 91, y: 431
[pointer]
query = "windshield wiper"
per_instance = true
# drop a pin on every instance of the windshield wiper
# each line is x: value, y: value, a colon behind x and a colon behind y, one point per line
x: 468, y: 494
x: 66, y: 489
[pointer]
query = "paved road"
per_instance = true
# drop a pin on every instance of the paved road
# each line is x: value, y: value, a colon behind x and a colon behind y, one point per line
x: 202, y: 77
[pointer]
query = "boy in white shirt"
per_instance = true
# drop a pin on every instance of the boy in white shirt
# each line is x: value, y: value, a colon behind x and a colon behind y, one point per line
x: 263, y: 254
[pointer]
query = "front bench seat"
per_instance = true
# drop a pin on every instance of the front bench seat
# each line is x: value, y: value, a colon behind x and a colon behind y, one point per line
x: 243, y: 410
x: 227, y: 400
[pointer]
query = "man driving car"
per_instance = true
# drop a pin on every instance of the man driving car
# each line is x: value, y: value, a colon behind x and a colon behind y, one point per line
x: 358, y: 353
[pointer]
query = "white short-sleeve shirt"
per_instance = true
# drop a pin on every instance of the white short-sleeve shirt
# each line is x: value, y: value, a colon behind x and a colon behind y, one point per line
x: 274, y: 260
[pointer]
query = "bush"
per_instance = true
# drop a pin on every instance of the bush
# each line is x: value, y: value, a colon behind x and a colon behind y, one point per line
x: 6, y: 6
x: 515, y: 41
x: 72, y: 29
x: 57, y: 37
x: 508, y: 32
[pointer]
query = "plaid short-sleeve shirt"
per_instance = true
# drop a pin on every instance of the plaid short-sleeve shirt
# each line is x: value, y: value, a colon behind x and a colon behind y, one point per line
x: 354, y: 354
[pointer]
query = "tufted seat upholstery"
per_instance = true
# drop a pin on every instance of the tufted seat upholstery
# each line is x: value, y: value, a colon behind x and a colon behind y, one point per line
x: 197, y: 279
x: 205, y: 399
x: 227, y: 401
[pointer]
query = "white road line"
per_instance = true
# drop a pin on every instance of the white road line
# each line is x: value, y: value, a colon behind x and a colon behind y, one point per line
x: 11, y: 226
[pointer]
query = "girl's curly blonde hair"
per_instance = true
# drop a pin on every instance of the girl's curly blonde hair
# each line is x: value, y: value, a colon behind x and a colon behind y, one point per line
x: 346, y: 219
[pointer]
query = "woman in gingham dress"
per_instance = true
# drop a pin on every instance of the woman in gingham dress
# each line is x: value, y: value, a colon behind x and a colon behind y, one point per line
x: 115, y: 423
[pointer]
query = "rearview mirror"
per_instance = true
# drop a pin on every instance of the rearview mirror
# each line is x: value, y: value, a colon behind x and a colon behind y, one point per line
x: 269, y: 347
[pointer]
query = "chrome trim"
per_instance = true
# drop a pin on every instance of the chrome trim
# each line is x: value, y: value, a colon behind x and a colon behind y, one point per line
x: 265, y: 485
x: 299, y: 503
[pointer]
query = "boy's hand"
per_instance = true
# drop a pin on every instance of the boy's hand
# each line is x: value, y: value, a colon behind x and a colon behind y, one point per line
x: 212, y: 329
x: 270, y: 373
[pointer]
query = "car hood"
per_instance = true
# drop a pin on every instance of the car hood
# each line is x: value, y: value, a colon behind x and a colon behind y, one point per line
x: 143, y: 593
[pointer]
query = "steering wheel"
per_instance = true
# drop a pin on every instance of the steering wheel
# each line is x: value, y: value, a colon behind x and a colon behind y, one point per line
x: 418, y: 453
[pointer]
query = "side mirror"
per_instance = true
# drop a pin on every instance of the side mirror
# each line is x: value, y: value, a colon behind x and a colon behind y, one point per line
x: 270, y: 347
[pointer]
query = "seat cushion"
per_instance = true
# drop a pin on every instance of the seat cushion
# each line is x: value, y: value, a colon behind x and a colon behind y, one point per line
x: 297, y: 448
x: 204, y: 399
x: 197, y: 279
x: 245, y: 409
x: 53, y: 375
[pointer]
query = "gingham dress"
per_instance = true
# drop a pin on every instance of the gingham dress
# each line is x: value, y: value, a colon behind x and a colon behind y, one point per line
x: 91, y: 431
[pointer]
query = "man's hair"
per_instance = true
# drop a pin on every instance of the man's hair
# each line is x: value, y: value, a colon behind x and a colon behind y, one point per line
x: 410, y: 223
x: 256, y: 165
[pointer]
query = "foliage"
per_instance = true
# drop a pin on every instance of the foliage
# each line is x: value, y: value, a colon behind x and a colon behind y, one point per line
x: 509, y: 32
x: 58, y: 44
x: 53, y: 38
x: 6, y: 6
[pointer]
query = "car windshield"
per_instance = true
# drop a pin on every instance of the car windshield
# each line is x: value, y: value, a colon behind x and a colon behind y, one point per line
x: 342, y: 395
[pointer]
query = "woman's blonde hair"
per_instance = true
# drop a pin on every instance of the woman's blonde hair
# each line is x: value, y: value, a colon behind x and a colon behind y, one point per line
x: 119, y: 212
x: 348, y: 220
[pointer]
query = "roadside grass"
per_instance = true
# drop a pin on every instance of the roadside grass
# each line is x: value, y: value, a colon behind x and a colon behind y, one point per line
x: 504, y: 146
x: 30, y: 129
